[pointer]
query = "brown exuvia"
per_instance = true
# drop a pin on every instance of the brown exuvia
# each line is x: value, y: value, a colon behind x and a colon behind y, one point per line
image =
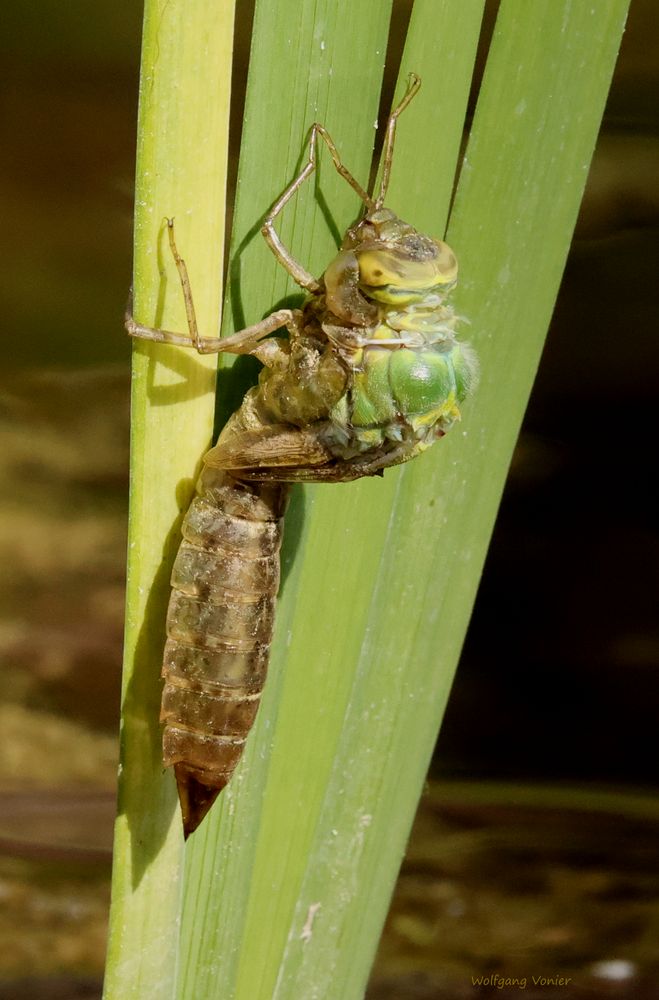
x: 371, y: 374
x: 219, y: 629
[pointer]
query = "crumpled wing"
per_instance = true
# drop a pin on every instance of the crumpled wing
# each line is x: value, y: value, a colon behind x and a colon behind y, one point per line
x: 270, y: 446
x: 336, y: 470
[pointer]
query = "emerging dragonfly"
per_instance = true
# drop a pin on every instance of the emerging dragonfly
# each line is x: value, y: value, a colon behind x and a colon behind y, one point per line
x: 368, y: 377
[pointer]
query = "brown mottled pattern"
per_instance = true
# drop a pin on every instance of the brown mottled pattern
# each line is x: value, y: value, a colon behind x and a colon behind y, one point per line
x: 219, y: 625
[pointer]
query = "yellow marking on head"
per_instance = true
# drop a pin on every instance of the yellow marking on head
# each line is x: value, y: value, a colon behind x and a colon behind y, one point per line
x: 399, y: 274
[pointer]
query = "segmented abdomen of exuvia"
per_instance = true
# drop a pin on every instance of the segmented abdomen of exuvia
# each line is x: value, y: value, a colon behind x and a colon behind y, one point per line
x: 219, y: 629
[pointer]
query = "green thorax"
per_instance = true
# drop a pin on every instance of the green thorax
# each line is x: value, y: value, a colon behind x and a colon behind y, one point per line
x: 413, y: 386
x: 375, y: 359
x: 408, y: 371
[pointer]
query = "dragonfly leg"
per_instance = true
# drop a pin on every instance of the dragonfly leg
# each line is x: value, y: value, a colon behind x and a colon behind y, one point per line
x: 246, y: 341
x: 352, y: 339
x: 243, y: 342
x: 341, y: 168
x: 296, y: 270
x: 413, y: 84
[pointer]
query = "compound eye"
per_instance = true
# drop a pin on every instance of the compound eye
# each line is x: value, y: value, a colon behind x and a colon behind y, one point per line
x: 446, y: 263
x: 405, y: 274
x: 380, y: 267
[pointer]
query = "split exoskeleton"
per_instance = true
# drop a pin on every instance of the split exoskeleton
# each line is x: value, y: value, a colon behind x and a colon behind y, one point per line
x: 369, y: 376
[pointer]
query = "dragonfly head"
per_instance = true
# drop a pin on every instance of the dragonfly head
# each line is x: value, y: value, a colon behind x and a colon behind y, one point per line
x: 385, y: 260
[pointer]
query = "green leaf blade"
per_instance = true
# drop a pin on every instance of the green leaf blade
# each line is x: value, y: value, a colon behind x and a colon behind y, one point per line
x: 308, y: 62
x: 181, y: 172
x: 288, y: 880
x: 391, y: 568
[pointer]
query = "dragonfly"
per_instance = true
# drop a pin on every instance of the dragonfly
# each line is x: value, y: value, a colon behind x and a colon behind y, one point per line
x: 369, y: 375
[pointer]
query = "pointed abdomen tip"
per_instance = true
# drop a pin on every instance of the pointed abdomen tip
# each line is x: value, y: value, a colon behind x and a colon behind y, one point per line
x: 196, y: 798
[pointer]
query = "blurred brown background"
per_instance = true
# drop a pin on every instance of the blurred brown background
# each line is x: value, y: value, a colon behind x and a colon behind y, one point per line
x: 497, y: 878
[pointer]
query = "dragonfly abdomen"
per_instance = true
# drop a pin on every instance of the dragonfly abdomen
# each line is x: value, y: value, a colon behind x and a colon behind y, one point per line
x: 219, y: 629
